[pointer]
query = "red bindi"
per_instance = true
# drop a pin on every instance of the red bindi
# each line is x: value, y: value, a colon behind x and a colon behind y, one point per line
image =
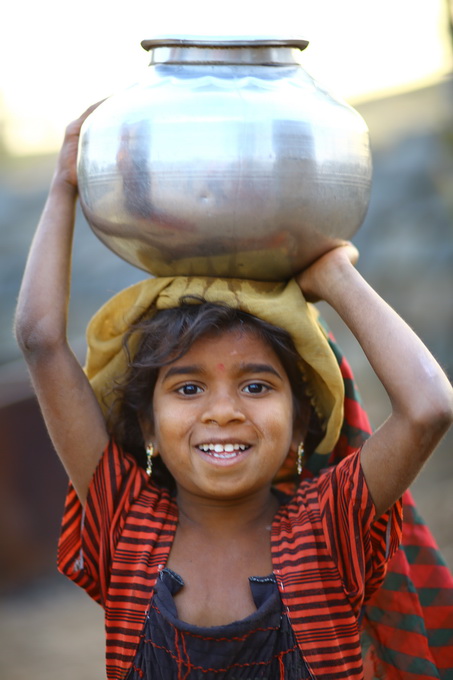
x: 220, y: 367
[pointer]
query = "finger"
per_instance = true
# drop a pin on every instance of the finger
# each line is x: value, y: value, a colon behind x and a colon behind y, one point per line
x: 350, y: 250
x: 73, y: 129
x: 90, y: 109
x: 353, y: 252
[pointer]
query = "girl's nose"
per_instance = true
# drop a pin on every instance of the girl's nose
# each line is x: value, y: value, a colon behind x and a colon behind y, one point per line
x: 223, y: 409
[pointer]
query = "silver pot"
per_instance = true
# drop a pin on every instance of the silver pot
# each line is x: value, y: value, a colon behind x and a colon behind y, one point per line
x: 226, y: 159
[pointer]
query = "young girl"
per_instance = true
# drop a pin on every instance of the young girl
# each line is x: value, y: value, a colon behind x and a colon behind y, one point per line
x: 178, y: 450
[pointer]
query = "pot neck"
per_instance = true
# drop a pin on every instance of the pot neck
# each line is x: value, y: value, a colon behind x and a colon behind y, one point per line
x: 251, y: 51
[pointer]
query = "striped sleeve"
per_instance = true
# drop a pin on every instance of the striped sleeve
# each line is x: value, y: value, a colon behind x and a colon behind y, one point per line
x: 359, y: 545
x: 89, y: 536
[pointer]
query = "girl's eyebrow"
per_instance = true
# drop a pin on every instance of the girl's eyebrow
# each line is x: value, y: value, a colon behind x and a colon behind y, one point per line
x: 259, y: 368
x: 195, y: 369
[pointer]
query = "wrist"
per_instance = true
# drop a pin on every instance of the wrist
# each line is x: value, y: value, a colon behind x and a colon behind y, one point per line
x: 62, y: 185
x: 338, y: 282
x: 330, y: 275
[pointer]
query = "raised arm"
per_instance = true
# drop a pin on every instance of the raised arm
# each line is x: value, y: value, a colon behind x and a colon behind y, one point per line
x: 420, y: 394
x: 71, y: 412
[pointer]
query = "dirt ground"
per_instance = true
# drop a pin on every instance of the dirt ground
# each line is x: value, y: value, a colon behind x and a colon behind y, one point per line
x: 51, y: 631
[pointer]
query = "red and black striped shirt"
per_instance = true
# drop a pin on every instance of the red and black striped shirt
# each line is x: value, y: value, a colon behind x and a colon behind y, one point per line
x: 328, y: 556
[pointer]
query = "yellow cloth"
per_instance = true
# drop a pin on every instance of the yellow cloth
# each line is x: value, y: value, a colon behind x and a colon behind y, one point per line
x: 279, y: 303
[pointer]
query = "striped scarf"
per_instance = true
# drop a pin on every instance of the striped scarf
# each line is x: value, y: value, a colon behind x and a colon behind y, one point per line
x: 408, y: 623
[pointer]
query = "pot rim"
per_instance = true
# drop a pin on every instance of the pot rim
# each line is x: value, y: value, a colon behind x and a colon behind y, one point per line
x: 223, y: 42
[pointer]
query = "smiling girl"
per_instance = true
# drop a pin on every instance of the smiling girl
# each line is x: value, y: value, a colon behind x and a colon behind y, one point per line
x: 176, y: 447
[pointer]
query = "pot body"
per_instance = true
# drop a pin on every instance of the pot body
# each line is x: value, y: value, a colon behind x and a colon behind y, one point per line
x: 227, y: 159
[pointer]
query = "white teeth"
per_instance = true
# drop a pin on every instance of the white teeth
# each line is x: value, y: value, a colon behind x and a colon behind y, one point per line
x: 223, y: 450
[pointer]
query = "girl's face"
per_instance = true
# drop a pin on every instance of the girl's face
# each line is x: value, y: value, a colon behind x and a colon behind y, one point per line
x: 223, y: 416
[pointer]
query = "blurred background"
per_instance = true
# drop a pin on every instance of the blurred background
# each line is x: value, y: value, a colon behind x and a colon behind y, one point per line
x: 390, y: 59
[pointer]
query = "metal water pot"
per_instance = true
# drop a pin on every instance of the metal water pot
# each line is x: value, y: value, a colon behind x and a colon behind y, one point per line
x: 226, y: 159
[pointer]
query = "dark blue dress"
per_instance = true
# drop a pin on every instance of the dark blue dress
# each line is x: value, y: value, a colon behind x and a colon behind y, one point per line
x: 260, y: 646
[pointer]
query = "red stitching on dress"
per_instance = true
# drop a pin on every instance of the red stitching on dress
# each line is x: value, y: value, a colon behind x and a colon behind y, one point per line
x: 250, y: 664
x: 179, y: 660
x: 188, y: 662
x: 148, y: 641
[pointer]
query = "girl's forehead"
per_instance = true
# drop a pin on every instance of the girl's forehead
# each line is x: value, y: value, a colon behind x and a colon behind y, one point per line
x: 236, y: 345
x: 232, y: 342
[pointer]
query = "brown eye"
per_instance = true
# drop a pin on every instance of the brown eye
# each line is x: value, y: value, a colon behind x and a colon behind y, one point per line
x: 256, y: 388
x: 189, y: 390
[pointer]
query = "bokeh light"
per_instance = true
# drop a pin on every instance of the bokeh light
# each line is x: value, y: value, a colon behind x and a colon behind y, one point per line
x: 56, y: 61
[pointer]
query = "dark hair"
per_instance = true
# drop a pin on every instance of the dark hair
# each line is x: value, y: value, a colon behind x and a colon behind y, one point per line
x: 167, y: 336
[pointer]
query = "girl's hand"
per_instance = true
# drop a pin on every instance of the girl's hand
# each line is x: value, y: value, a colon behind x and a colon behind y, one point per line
x: 66, y: 170
x: 316, y: 281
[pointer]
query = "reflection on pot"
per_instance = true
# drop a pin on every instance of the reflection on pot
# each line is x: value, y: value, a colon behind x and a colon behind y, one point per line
x: 227, y: 159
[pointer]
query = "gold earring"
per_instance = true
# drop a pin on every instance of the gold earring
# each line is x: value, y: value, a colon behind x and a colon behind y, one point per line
x: 149, y: 459
x: 300, y: 457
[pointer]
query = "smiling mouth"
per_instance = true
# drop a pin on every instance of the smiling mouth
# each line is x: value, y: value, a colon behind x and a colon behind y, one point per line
x: 223, y: 451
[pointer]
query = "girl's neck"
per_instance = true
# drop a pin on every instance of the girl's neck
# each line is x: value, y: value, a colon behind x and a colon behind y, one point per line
x: 217, y: 547
x: 233, y: 516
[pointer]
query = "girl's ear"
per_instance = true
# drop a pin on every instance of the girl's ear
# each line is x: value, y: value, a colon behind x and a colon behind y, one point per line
x: 300, y: 427
x: 146, y: 427
x: 298, y: 438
